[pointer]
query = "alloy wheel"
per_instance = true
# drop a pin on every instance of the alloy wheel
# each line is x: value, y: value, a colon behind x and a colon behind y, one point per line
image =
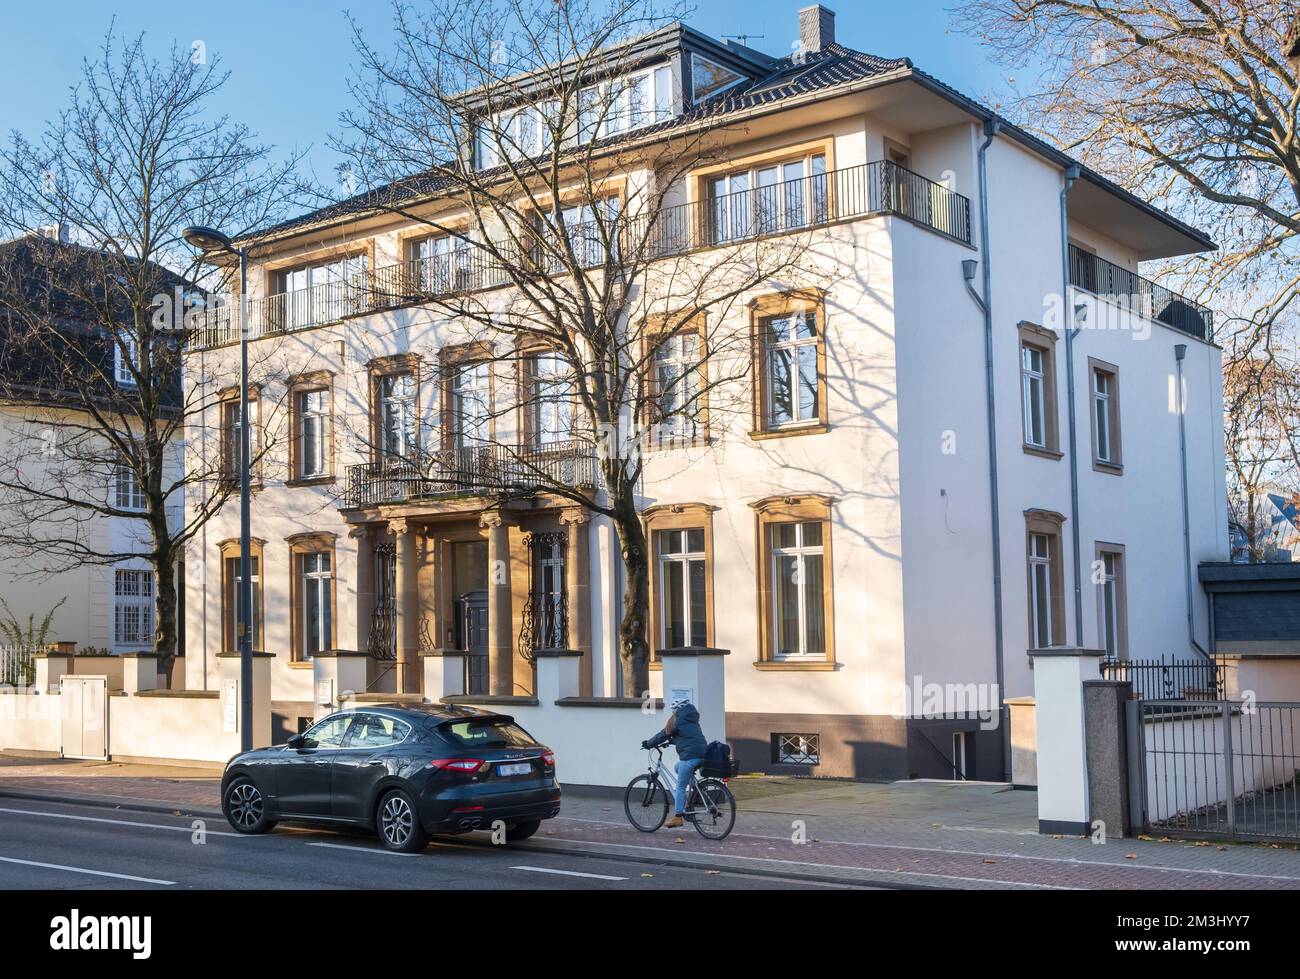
x: 246, y: 804
x: 397, y: 821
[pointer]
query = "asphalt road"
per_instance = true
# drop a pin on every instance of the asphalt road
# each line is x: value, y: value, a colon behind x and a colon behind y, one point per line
x: 67, y: 847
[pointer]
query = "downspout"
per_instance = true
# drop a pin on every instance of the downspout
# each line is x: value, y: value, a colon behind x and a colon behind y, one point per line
x: 985, y: 303
x: 1180, y: 353
x: 1071, y: 331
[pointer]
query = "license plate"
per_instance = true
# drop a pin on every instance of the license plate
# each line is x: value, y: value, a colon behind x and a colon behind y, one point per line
x: 523, y: 768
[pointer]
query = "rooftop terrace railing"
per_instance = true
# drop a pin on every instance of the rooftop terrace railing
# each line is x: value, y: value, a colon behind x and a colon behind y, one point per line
x: 1143, y: 297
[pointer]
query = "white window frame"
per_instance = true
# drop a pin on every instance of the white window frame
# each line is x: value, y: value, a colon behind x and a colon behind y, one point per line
x: 1034, y: 384
x: 128, y: 494
x: 552, y: 408
x: 678, y: 378
x: 625, y: 111
x: 319, y: 437
x: 126, y: 360
x: 686, y: 558
x: 793, y: 347
x: 695, y: 59
x: 1037, y: 598
x: 1112, y: 574
x: 317, y: 601
x: 133, y: 608
x: 254, y: 593
x: 471, y: 400
x: 397, y: 415
x: 799, y: 552
x: 1103, y: 384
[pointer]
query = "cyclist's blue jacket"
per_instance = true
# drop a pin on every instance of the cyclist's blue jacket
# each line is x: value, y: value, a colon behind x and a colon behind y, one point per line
x: 683, y: 732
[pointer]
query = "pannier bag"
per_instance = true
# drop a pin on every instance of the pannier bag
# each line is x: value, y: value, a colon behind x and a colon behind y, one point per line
x: 718, y: 762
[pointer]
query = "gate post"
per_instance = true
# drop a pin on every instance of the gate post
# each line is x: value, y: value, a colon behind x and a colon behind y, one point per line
x: 1105, y: 731
x: 1135, y: 741
x: 1230, y: 782
x: 1059, y: 675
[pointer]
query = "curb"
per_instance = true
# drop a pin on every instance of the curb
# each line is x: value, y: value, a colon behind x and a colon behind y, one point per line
x: 109, y: 802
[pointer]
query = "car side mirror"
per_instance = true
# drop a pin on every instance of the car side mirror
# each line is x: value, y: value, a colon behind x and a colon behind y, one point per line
x: 297, y: 741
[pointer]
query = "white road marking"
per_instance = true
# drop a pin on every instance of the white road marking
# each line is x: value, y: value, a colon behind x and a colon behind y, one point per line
x: 84, y: 870
x: 125, y: 822
x: 364, y: 849
x: 567, y: 873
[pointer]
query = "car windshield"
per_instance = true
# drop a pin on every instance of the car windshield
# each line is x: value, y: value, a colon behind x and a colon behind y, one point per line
x: 487, y: 733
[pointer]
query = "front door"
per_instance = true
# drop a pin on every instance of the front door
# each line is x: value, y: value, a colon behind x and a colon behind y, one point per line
x: 303, y: 775
x: 472, y: 636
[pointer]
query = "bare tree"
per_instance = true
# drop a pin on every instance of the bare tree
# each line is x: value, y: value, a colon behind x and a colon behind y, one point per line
x: 95, y: 317
x: 1191, y: 103
x: 518, y: 130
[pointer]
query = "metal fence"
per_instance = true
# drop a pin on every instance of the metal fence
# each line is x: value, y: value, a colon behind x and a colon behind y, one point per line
x: 1144, y: 297
x: 1168, y: 678
x: 18, y: 665
x: 1225, y: 769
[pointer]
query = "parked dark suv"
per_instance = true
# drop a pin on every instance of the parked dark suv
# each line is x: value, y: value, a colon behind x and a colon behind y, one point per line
x: 406, y: 772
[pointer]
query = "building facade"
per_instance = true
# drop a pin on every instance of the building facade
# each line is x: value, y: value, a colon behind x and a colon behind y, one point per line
x: 838, y: 535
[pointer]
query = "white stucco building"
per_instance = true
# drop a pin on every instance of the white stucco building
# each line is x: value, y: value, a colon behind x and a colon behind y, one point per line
x: 841, y: 543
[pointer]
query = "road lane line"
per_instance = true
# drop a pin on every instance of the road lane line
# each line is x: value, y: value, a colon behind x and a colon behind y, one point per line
x: 567, y: 873
x: 84, y: 870
x: 125, y: 822
x: 364, y: 849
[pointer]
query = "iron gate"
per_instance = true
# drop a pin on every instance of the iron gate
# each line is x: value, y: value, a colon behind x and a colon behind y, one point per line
x: 1215, y: 769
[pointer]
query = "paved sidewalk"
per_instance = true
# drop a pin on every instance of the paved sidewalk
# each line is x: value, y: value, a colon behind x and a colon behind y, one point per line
x: 903, y: 834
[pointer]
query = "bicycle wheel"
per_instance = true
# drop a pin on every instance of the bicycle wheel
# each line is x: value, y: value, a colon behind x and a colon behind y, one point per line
x: 714, y: 809
x: 646, y: 803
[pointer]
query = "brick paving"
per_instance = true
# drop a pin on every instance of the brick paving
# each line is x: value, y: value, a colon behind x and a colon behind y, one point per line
x: 926, y: 834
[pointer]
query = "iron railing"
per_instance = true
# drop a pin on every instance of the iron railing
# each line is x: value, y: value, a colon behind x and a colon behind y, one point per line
x: 1168, y: 678
x: 491, y: 469
x: 17, y: 666
x: 880, y: 188
x: 1142, y: 296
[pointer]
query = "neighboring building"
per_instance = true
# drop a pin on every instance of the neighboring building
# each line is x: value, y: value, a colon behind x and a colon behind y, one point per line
x: 106, y: 606
x: 874, y: 486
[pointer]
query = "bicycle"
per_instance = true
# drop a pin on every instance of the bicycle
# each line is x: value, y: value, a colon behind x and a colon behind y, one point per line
x: 710, y: 806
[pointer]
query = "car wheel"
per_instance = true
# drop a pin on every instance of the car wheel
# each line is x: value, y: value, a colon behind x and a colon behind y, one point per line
x: 399, y: 823
x: 521, y: 831
x: 245, y: 807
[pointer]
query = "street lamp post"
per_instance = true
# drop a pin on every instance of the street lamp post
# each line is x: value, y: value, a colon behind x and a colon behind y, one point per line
x: 208, y: 239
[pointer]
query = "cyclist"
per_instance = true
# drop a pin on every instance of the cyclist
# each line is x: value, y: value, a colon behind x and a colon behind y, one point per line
x: 683, y: 732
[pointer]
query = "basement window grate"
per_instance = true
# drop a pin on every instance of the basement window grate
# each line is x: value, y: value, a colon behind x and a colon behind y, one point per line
x: 797, y: 749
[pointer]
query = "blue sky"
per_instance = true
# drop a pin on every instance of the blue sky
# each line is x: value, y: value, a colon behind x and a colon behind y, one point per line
x: 289, y: 60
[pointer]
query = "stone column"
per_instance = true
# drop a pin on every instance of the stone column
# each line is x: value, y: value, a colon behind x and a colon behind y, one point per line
x: 500, y: 611
x: 698, y: 673
x: 408, y: 606
x: 577, y: 573
x: 1059, y: 675
x: 364, y: 543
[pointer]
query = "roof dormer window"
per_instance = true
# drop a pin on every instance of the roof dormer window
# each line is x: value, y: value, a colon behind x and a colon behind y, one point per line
x: 708, y: 78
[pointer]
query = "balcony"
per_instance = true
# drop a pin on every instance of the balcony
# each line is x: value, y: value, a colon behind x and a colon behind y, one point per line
x: 867, y: 190
x: 1142, y: 296
x: 488, y: 470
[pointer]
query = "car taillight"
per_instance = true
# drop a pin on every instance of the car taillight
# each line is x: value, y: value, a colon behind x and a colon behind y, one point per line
x: 466, y: 765
x: 548, y: 759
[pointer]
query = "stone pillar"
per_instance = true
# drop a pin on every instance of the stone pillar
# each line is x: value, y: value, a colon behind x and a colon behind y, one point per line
x: 558, y: 675
x: 363, y: 541
x: 139, y: 672
x: 337, y: 674
x: 1104, y: 705
x: 228, y: 670
x: 50, y: 669
x: 577, y: 585
x: 444, y: 673
x: 501, y: 670
x: 408, y: 606
x: 1024, y: 742
x: 698, y: 673
x: 1059, y: 675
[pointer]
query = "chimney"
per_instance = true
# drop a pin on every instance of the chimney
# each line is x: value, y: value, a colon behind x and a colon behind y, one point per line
x: 816, y: 28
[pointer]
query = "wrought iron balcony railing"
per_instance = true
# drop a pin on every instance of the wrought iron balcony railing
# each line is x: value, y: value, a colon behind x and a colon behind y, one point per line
x: 776, y: 209
x: 487, y: 470
x: 1142, y: 296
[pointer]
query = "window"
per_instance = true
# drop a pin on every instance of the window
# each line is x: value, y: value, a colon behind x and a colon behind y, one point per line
x: 1038, y: 390
x: 230, y: 593
x: 317, y: 603
x: 126, y: 360
x: 767, y: 198
x: 516, y: 134
x: 678, y: 380
x: 1105, y: 417
x: 796, y: 749
x: 320, y: 292
x: 798, y: 599
x: 471, y: 399
x: 232, y: 464
x: 551, y: 408
x: 133, y: 608
x: 682, y: 592
x: 789, y: 365
x: 1045, y: 579
x: 1112, y: 612
x: 440, y: 263
x: 397, y: 428
x: 709, y: 78
x: 377, y: 731
x: 623, y: 104
x: 128, y: 494
x: 587, y: 227
x: 313, y: 427
x: 330, y: 732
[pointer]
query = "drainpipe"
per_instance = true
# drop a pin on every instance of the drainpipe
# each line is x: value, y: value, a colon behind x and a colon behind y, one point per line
x: 985, y: 303
x: 1180, y: 353
x: 1071, y: 331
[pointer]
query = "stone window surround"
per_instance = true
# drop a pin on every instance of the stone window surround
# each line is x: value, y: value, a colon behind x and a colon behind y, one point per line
x: 309, y: 542
x: 229, y: 549
x: 298, y: 385
x: 1043, y: 339
x: 793, y: 508
x: 1050, y: 523
x: 1115, y: 465
x: 767, y: 307
x: 677, y: 516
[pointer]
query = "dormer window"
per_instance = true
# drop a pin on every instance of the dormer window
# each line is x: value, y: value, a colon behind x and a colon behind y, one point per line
x: 516, y: 134
x: 630, y: 102
x: 708, y: 78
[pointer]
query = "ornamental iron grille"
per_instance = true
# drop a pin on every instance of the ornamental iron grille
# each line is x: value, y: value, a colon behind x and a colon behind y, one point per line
x: 545, y: 623
x: 798, y: 749
x: 383, y: 622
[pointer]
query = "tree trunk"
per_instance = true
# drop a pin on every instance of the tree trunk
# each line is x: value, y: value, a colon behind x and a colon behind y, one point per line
x: 634, y: 649
x: 164, y: 643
